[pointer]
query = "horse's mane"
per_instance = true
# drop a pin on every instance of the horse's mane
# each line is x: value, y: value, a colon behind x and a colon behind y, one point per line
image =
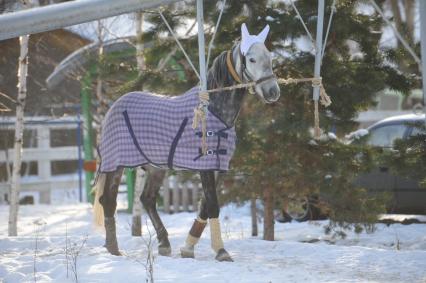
x: 218, y: 75
x: 225, y: 104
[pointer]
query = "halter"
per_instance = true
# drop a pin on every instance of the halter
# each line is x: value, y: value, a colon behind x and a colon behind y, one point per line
x: 244, y: 70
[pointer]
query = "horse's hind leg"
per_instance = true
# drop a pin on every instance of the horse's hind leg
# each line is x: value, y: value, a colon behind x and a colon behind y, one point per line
x: 108, y: 201
x: 154, y: 180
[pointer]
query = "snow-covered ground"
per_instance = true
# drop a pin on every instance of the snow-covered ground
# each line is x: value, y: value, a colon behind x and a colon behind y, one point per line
x: 395, y: 253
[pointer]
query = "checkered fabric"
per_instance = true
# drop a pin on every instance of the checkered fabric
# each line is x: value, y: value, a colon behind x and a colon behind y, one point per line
x: 143, y: 128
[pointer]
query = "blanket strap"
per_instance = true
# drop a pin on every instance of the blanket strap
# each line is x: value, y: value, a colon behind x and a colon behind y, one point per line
x: 200, y: 115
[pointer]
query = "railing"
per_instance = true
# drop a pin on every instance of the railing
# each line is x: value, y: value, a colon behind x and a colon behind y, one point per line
x: 43, y: 183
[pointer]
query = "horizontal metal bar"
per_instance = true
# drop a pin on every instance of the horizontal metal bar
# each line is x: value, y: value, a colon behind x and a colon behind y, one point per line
x: 61, y: 15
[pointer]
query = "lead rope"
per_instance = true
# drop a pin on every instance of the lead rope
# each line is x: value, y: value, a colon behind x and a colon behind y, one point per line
x: 200, y: 111
x: 325, y: 101
x: 200, y: 115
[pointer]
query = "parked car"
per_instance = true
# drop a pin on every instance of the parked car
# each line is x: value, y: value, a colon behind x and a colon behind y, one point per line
x: 406, y: 194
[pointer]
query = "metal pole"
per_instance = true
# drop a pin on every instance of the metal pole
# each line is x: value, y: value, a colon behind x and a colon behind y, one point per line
x: 318, y: 47
x: 422, y: 11
x: 87, y: 131
x: 80, y: 159
x: 67, y: 14
x: 201, y: 45
x: 130, y: 182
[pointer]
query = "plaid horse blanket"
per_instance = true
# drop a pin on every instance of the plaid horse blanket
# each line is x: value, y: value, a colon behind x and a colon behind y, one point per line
x: 142, y: 128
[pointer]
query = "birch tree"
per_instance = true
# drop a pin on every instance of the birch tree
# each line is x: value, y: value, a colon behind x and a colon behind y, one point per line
x: 140, y: 176
x: 19, y: 130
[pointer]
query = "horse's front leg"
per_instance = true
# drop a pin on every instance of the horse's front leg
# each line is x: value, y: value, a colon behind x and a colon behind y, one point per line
x: 196, y: 230
x: 212, y: 207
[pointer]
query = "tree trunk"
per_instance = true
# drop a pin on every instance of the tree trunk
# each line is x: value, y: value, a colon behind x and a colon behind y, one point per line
x: 19, y: 129
x: 396, y: 11
x: 139, y: 42
x: 102, y: 107
x: 409, y: 20
x: 140, y: 174
x: 268, y: 222
x: 253, y: 209
x: 137, y: 204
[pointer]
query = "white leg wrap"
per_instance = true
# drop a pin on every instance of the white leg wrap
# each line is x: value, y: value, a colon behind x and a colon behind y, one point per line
x: 191, y: 241
x: 216, y: 236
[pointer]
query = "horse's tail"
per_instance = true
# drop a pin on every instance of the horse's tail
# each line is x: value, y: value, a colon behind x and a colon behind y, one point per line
x: 98, y: 210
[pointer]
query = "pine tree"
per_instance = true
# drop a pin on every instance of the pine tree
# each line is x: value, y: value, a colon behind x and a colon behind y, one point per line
x: 276, y: 148
x: 276, y: 156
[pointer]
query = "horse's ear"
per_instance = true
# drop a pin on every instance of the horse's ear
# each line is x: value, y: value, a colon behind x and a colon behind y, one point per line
x: 244, y: 32
x: 264, y: 33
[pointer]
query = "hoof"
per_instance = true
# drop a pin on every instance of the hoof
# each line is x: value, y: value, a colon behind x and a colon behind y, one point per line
x: 187, y: 252
x: 164, y: 251
x: 164, y: 247
x: 222, y: 255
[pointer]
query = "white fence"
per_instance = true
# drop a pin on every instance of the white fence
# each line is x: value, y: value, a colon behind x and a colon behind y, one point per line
x: 43, y: 154
x: 180, y: 196
x: 176, y: 194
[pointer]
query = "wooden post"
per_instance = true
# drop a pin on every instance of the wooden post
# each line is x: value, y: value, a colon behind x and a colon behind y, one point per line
x: 44, y: 166
x: 195, y: 189
x: 185, y: 197
x: 176, y: 189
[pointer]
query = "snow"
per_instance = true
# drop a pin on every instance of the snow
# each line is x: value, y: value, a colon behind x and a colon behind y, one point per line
x: 357, y: 134
x: 301, y: 252
x: 269, y: 19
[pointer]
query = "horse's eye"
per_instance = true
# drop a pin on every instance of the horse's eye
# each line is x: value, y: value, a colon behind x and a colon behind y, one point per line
x: 252, y: 60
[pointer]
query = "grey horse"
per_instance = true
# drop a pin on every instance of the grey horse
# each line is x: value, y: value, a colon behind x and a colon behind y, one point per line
x: 128, y: 141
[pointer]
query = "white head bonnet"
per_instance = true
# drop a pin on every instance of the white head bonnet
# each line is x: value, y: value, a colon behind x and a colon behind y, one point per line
x: 248, y: 40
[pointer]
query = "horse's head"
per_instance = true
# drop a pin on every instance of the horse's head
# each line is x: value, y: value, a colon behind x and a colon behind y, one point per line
x: 257, y: 65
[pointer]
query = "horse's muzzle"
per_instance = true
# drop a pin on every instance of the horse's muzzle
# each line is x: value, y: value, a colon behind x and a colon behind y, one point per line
x: 273, y: 94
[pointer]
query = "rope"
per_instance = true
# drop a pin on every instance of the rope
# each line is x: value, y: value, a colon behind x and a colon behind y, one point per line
x: 333, y: 10
x: 214, y: 34
x: 303, y: 23
x: 180, y: 46
x: 200, y: 111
